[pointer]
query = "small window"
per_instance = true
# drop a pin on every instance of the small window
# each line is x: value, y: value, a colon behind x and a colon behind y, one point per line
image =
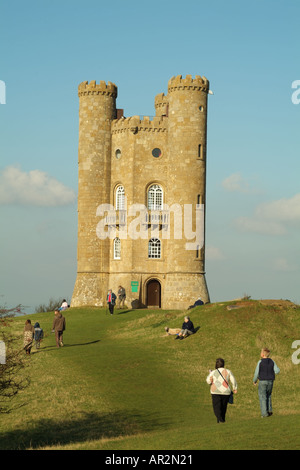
x: 156, y: 153
x: 199, y: 253
x: 117, y: 248
x: 155, y: 198
x: 154, y: 248
x: 199, y: 200
x: 118, y: 154
x: 200, y: 151
x: 120, y: 198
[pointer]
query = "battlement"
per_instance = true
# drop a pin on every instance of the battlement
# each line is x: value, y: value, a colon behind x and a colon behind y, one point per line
x: 198, y: 83
x: 86, y: 88
x: 160, y: 100
x: 134, y: 124
x: 161, y: 104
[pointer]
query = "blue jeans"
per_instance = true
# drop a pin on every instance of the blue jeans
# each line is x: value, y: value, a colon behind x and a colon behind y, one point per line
x: 264, y: 394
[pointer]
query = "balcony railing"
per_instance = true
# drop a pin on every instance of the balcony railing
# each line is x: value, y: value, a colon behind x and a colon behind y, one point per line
x: 116, y: 217
x: 156, y: 217
x: 119, y: 217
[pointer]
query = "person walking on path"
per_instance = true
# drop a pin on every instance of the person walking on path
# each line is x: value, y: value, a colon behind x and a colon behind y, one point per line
x: 59, y: 326
x: 220, y: 390
x: 28, y: 336
x: 265, y: 373
x: 38, y: 335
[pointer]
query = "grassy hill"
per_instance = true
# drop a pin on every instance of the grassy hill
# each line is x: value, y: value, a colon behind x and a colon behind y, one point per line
x: 120, y: 383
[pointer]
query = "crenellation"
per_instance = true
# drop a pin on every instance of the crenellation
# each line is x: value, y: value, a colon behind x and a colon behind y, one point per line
x: 134, y: 122
x: 198, y: 83
x: 86, y: 88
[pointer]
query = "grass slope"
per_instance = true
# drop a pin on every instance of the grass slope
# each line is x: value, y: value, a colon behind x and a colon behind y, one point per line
x: 120, y: 384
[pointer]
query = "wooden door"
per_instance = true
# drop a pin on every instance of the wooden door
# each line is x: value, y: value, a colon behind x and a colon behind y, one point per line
x: 153, y: 293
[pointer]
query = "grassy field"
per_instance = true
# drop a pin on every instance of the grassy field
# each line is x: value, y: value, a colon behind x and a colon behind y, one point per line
x: 120, y: 383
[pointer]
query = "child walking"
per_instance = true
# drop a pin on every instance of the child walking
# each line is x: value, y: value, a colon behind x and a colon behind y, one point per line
x: 38, y: 335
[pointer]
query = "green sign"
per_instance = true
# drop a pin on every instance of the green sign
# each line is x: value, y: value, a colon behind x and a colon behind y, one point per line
x: 134, y: 286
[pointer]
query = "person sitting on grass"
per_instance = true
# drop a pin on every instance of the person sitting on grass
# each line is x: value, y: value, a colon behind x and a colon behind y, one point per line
x: 187, y: 329
x: 64, y: 305
x: 198, y: 302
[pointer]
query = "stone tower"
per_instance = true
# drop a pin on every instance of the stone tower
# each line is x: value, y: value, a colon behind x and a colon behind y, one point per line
x: 97, y: 109
x: 141, y: 198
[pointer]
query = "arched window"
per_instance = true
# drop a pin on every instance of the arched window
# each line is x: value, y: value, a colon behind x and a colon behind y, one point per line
x: 117, y: 248
x: 154, y: 248
x: 120, y: 198
x: 155, y: 198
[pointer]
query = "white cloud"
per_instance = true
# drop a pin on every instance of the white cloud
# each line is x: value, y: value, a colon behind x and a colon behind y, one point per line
x: 260, y: 225
x: 282, y: 264
x: 213, y: 253
x: 235, y: 182
x: 285, y: 210
x: 272, y: 218
x: 33, y: 188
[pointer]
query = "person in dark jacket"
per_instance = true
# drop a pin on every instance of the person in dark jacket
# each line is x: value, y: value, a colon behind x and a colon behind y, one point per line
x: 186, y: 329
x: 111, y: 301
x: 38, y: 335
x: 59, y: 326
x: 198, y: 302
x: 265, y: 372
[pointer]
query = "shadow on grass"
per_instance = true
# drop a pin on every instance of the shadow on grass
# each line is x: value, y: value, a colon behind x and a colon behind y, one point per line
x: 89, y: 427
x: 53, y: 346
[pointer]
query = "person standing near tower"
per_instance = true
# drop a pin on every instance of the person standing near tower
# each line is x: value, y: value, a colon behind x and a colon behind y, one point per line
x: 121, y: 296
x: 111, y: 301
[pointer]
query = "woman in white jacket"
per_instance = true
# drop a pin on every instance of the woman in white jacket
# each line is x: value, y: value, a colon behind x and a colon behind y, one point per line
x: 220, y: 390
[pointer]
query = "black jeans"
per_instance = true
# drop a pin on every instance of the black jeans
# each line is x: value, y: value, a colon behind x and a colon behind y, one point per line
x: 111, y: 307
x: 220, y: 403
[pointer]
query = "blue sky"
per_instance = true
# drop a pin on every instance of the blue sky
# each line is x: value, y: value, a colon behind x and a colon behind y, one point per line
x: 250, y: 53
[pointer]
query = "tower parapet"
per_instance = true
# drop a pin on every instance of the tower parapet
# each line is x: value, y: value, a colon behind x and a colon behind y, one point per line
x: 134, y: 124
x: 161, y: 104
x: 86, y: 88
x: 198, y: 83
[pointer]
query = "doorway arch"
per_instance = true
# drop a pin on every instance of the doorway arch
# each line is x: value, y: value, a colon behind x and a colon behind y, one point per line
x: 153, y: 293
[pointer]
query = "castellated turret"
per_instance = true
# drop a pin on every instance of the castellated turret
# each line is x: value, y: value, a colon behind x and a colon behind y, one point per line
x: 141, y: 197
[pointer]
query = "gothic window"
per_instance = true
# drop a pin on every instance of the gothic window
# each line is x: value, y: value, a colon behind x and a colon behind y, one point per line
x: 120, y: 198
x: 154, y: 248
x: 117, y: 248
x: 155, y: 198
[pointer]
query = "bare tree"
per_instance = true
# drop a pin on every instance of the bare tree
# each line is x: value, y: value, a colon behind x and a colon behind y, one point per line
x: 13, y: 378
